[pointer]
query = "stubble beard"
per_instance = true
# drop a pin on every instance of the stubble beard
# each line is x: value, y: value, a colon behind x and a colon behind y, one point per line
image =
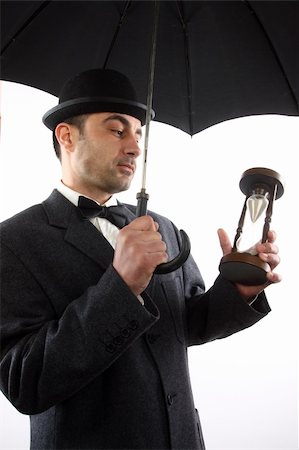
x: 108, y: 181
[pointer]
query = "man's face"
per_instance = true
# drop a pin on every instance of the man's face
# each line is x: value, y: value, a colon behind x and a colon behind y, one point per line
x: 104, y: 159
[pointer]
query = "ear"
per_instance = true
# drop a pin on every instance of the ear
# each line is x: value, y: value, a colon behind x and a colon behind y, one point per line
x: 66, y: 136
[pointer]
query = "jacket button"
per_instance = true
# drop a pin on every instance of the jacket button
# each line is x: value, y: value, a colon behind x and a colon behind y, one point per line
x: 133, y: 325
x: 118, y: 340
x: 110, y: 348
x: 125, y: 332
x: 169, y: 399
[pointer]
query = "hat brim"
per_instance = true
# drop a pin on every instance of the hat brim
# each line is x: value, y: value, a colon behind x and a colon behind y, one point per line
x: 88, y: 105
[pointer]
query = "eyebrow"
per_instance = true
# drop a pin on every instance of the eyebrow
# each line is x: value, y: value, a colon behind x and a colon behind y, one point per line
x: 124, y: 121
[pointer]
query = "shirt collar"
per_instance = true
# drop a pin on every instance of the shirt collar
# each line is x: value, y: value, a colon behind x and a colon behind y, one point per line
x: 73, y: 196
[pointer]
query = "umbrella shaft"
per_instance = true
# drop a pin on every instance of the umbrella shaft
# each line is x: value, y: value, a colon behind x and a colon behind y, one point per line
x: 142, y: 199
x: 150, y: 92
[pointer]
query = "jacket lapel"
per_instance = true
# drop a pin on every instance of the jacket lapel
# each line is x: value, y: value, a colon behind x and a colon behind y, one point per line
x: 86, y: 238
x: 79, y: 233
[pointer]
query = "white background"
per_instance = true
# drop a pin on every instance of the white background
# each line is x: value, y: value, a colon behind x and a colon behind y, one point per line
x: 245, y: 386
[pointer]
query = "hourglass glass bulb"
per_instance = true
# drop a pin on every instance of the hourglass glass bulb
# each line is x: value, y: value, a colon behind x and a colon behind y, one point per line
x: 257, y: 204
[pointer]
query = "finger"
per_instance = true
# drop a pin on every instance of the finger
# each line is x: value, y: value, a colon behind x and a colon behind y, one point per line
x: 155, y: 258
x: 144, y: 223
x: 271, y: 259
x: 224, y: 241
x: 143, y: 236
x: 152, y: 246
x: 273, y: 277
x: 271, y: 236
x: 267, y: 248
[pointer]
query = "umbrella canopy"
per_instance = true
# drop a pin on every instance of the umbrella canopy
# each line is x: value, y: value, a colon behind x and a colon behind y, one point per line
x: 215, y: 60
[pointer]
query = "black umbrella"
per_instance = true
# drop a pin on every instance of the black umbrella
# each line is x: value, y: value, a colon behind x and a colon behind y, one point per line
x: 215, y: 60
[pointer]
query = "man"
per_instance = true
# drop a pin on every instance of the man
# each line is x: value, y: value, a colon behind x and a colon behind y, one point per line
x: 93, y: 342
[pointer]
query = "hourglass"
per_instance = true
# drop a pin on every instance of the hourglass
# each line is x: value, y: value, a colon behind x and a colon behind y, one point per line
x: 261, y: 187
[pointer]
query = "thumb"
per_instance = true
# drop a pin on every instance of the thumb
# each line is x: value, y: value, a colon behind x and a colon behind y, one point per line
x: 144, y: 223
x: 224, y: 241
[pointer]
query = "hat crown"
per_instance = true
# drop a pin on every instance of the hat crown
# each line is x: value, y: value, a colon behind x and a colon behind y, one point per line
x: 94, y: 91
x: 98, y: 83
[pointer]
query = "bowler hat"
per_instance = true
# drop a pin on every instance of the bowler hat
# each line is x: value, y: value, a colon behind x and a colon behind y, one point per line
x: 96, y: 90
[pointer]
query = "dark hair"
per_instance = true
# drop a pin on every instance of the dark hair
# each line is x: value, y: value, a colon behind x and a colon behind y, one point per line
x: 78, y: 122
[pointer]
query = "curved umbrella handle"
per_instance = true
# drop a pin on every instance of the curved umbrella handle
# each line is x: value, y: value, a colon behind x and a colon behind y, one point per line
x: 179, y: 260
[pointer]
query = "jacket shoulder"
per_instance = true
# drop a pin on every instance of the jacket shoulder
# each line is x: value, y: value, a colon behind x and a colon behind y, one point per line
x: 23, y: 218
x: 55, y: 207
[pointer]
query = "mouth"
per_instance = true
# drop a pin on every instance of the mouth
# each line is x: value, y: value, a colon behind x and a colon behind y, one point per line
x: 126, y: 167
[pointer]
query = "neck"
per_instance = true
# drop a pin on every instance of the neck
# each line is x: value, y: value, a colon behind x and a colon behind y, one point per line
x: 94, y: 194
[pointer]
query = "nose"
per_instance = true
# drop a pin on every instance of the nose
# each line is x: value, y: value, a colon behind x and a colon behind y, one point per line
x: 132, y: 147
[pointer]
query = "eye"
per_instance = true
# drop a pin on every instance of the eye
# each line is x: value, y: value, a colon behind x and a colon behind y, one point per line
x: 118, y: 133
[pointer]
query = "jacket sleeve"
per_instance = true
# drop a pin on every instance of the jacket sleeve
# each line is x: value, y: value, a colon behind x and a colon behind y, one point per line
x: 44, y: 358
x: 219, y: 311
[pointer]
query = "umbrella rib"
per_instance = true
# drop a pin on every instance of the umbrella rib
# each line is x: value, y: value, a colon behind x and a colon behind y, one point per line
x: 24, y: 26
x: 250, y: 7
x: 122, y: 17
x: 188, y: 65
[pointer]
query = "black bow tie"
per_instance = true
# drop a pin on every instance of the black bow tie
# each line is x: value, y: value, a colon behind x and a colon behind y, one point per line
x: 91, y: 209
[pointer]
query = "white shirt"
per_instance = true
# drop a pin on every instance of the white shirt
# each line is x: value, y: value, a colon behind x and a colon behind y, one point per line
x: 108, y: 229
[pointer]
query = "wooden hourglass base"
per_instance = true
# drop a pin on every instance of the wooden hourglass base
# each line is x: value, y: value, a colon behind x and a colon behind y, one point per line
x: 244, y: 268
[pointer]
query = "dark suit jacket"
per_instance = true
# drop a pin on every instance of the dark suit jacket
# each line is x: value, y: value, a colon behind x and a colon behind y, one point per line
x: 80, y: 354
